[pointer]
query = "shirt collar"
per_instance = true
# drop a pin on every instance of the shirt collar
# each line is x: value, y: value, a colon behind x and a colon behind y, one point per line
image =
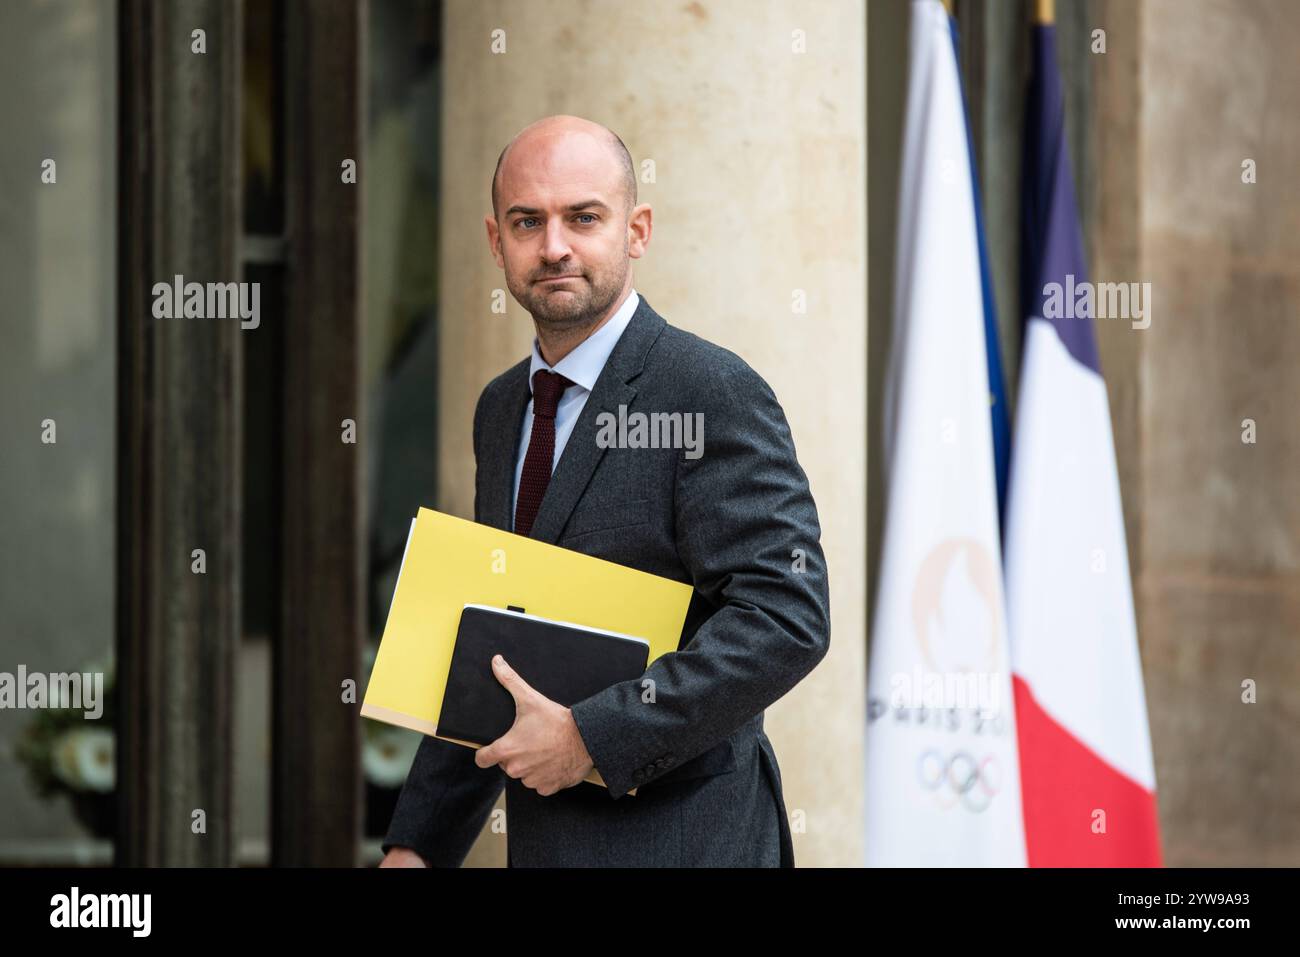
x: 582, y: 366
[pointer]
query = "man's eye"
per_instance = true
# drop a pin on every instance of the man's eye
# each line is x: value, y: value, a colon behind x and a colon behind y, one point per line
x: 526, y: 219
x: 590, y: 216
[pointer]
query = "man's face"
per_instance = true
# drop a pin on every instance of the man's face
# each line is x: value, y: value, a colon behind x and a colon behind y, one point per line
x: 562, y: 228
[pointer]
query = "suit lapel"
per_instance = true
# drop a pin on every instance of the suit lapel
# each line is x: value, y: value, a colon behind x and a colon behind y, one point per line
x: 501, y: 448
x: 581, y: 454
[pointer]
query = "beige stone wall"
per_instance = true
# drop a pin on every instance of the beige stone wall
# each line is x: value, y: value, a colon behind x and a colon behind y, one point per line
x: 1187, y: 91
x: 759, y: 191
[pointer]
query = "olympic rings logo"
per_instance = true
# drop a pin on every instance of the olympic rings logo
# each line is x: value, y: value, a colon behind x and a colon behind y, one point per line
x: 960, y: 779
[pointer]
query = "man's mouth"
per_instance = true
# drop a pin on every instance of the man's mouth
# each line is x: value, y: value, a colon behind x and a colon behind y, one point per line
x: 558, y: 278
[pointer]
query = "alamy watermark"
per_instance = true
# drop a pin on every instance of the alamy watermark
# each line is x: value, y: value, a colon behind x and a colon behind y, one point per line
x: 651, y: 430
x: 979, y: 691
x: 214, y: 300
x: 74, y: 909
x: 1103, y: 300
x: 82, y: 691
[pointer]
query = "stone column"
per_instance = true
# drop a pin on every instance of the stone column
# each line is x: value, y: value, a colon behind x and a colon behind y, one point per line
x: 1189, y: 91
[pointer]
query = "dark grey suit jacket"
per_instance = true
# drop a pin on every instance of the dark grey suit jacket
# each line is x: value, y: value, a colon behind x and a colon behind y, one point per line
x: 739, y: 524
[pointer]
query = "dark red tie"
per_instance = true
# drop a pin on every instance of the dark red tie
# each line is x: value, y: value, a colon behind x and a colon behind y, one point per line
x: 547, y: 389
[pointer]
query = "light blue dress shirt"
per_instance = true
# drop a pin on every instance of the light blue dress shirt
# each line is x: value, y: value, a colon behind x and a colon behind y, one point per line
x: 582, y: 367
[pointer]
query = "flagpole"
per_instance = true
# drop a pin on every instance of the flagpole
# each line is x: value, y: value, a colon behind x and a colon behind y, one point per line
x: 1044, y: 11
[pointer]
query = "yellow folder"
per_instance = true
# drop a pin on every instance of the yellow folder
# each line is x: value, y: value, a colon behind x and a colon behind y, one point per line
x: 450, y: 563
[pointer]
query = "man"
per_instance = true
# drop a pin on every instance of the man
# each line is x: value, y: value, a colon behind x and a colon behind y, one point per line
x: 731, y: 514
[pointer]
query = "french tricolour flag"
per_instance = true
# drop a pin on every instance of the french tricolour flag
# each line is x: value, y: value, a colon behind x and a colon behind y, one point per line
x: 1088, y: 783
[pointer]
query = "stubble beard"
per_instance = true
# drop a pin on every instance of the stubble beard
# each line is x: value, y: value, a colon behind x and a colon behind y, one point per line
x: 575, y: 306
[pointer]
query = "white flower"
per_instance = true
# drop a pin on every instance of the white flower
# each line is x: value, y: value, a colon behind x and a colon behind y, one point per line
x: 83, y: 759
x: 387, y: 753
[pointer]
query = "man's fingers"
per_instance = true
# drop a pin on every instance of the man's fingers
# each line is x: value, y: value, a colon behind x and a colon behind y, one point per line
x: 487, y: 755
x: 495, y: 753
x: 510, y: 680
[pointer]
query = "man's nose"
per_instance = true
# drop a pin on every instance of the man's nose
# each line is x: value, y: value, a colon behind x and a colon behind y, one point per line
x: 557, y: 241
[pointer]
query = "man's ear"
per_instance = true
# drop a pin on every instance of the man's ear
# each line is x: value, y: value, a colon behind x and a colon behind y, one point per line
x: 494, y: 240
x: 640, y: 224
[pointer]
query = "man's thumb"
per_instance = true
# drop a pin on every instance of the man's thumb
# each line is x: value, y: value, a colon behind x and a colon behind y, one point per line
x: 510, y: 680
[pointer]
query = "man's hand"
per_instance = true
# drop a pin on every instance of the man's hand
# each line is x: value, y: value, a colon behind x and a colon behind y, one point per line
x: 543, y: 746
x: 403, y: 857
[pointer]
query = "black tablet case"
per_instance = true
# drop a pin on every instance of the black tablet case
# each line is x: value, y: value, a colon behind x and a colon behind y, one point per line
x: 565, y: 663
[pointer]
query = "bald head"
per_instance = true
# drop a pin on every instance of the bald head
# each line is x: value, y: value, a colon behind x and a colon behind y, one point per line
x: 536, y: 146
x: 565, y: 226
